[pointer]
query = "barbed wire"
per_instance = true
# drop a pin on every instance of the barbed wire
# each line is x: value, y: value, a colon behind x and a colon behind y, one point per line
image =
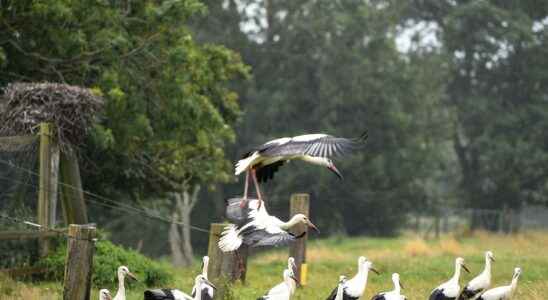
x: 113, y: 204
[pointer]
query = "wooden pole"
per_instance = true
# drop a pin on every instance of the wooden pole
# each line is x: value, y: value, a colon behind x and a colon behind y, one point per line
x: 223, y: 267
x: 79, y: 262
x: 299, y: 204
x: 74, y: 206
x: 49, y: 170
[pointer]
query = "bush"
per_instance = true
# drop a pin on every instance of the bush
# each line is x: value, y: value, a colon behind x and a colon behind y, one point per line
x: 108, y: 257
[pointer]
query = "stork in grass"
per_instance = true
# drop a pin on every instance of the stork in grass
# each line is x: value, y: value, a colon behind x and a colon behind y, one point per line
x: 260, y: 229
x: 340, y: 288
x: 481, y: 282
x: 201, y: 289
x: 122, y: 272
x: 503, y: 292
x: 204, y: 288
x: 395, y: 294
x: 265, y: 160
x: 104, y: 294
x: 450, y: 289
x: 283, y: 290
x: 353, y: 289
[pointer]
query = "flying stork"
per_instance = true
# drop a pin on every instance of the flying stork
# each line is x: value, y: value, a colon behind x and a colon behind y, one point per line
x: 353, y: 289
x: 281, y: 291
x: 201, y: 285
x: 104, y: 294
x: 260, y: 229
x: 265, y: 160
x: 503, y: 292
x: 481, y: 282
x: 122, y: 272
x: 395, y: 293
x: 450, y: 289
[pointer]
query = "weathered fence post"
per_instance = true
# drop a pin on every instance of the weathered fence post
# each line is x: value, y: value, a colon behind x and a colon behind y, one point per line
x: 79, y: 262
x: 224, y: 267
x: 49, y: 170
x: 299, y: 204
x: 74, y: 207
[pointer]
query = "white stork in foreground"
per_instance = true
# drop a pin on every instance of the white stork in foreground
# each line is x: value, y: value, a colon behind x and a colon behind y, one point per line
x: 209, y: 288
x: 104, y: 294
x: 395, y: 293
x: 261, y: 229
x: 265, y: 160
x: 201, y: 285
x: 292, y: 267
x: 481, y: 282
x: 450, y: 289
x: 353, y: 289
x: 340, y: 288
x: 122, y: 272
x: 503, y: 292
x: 281, y: 291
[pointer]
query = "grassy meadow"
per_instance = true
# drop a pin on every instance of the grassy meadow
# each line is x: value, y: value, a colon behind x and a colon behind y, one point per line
x: 421, y: 264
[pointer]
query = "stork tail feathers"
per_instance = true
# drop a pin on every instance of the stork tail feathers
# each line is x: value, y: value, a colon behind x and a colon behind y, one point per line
x: 230, y: 240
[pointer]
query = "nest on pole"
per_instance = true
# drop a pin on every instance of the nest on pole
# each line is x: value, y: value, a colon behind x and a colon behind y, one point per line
x: 72, y: 109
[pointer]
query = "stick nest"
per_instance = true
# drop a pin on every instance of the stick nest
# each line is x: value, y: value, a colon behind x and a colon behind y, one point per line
x: 72, y: 109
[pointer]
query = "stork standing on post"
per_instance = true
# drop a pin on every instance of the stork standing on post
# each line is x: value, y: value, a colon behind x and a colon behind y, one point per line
x: 265, y: 160
x: 481, y: 282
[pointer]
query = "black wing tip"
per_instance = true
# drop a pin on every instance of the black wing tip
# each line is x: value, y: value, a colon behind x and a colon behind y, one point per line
x: 363, y: 137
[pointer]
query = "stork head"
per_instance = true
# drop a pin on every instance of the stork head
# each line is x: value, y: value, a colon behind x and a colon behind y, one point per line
x: 300, y: 218
x: 369, y: 266
x: 332, y: 168
x: 104, y: 294
x: 489, y: 255
x: 205, y: 262
x: 124, y: 271
x: 517, y: 272
x: 201, y: 279
x: 460, y: 262
x: 342, y: 279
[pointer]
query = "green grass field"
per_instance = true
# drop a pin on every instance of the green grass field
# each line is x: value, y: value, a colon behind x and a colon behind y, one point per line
x: 421, y: 264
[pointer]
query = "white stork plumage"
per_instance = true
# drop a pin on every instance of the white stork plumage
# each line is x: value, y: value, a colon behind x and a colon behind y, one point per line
x: 395, y: 294
x: 122, y: 272
x: 201, y: 286
x: 450, y: 289
x: 340, y: 288
x: 263, y: 161
x: 209, y: 289
x: 503, y: 292
x: 283, y: 290
x: 353, y: 289
x: 481, y: 282
x: 104, y: 294
x: 261, y: 229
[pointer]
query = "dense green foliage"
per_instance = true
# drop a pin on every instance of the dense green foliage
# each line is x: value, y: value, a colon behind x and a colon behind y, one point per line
x: 108, y: 257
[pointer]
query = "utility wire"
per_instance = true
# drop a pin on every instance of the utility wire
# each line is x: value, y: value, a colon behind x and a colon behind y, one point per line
x: 114, y: 204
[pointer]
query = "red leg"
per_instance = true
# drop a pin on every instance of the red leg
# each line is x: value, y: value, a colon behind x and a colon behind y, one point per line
x: 244, y: 201
x: 254, y: 175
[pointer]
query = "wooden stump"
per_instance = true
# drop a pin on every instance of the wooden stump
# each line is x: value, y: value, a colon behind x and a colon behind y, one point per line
x: 299, y: 204
x: 79, y: 262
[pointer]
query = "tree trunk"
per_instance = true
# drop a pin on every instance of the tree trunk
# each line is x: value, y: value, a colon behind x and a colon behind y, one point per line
x: 180, y: 238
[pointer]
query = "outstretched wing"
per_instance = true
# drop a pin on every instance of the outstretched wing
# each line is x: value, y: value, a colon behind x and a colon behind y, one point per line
x: 261, y: 238
x: 319, y: 145
x: 238, y: 215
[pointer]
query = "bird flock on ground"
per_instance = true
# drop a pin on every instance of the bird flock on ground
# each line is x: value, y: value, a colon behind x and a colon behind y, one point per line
x: 347, y: 289
x: 253, y: 226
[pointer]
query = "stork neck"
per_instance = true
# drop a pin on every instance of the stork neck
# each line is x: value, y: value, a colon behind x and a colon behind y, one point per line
x: 204, y: 270
x: 292, y: 222
x: 121, y: 293
x: 321, y: 161
x: 514, y: 283
x: 456, y: 276
x: 397, y: 287
x: 487, y: 269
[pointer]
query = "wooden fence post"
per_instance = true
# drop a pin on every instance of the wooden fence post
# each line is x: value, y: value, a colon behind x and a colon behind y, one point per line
x: 79, y: 262
x: 49, y: 170
x: 223, y: 267
x: 299, y: 204
x: 72, y: 195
